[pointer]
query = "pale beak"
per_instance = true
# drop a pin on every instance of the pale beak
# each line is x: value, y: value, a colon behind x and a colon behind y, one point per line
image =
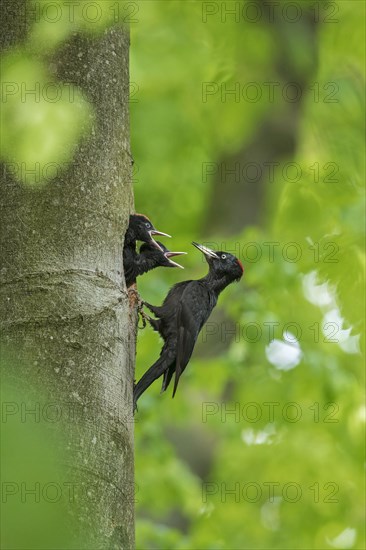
x: 156, y: 232
x: 169, y: 255
x: 154, y: 243
x: 206, y: 251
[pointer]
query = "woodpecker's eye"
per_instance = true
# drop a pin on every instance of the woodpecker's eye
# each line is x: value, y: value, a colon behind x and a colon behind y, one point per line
x: 223, y: 256
x: 147, y: 224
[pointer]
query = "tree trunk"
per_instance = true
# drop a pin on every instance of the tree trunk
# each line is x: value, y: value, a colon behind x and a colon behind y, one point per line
x: 64, y: 309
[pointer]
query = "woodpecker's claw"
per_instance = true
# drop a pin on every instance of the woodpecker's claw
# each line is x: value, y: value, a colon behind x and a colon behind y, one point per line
x: 136, y: 302
x: 143, y: 317
x: 133, y: 294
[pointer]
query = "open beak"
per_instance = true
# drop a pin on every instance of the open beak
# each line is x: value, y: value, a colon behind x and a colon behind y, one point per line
x: 153, y: 241
x: 169, y: 255
x: 206, y: 251
x: 156, y: 232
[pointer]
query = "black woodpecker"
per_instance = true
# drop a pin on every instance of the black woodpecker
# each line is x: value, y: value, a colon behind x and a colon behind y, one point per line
x: 149, y: 258
x: 185, y: 310
x: 140, y: 228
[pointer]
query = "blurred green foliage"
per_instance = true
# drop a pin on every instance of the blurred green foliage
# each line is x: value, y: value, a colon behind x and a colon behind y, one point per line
x: 42, y: 118
x: 190, y: 451
x: 37, y: 496
x: 40, y: 122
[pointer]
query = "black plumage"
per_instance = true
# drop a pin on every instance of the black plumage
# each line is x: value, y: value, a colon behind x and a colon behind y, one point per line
x: 149, y: 258
x: 183, y: 314
x: 153, y: 257
x: 140, y: 228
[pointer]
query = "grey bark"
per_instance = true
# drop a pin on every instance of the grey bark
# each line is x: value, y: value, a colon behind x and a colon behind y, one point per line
x: 64, y: 309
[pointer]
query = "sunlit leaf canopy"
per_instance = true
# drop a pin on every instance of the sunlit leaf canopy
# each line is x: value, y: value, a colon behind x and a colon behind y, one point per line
x: 262, y: 445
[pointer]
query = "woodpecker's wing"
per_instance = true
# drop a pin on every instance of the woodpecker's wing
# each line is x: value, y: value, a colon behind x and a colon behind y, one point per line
x: 133, y: 265
x: 167, y: 357
x: 168, y: 375
x: 129, y: 265
x: 193, y: 310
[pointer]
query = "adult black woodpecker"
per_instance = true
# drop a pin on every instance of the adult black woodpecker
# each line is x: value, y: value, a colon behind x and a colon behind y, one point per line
x: 150, y: 257
x: 140, y: 228
x: 182, y: 315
